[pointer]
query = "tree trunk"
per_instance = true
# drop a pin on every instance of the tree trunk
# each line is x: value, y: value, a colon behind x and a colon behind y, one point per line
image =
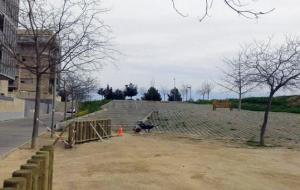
x: 65, y: 110
x: 266, y: 117
x: 36, y: 116
x: 66, y: 101
x: 240, y: 101
x: 53, y: 106
x: 72, y: 105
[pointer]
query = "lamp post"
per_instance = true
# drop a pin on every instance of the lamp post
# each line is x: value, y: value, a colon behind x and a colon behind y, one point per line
x: 190, y: 87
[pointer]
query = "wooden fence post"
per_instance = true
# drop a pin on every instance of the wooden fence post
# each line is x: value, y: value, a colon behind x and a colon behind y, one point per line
x: 108, y: 127
x: 27, y: 174
x: 16, y: 182
x: 81, y: 131
x: 46, y: 155
x: 71, y: 135
x: 38, y: 180
x: 44, y: 158
x: 76, y: 132
x: 35, y: 174
x: 88, y: 129
x: 50, y: 149
x: 84, y: 132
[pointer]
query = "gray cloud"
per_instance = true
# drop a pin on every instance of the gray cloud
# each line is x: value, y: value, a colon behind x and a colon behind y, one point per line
x: 157, y: 43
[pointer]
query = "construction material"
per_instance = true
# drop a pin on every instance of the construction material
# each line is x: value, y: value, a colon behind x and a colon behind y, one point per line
x: 120, y: 132
x: 90, y: 130
x: 95, y: 130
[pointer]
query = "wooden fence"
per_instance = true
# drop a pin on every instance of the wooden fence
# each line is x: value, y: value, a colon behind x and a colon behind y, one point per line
x: 85, y: 131
x: 222, y: 104
x: 36, y: 174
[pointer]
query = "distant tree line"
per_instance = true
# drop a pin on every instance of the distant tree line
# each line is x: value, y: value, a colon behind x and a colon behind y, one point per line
x: 131, y: 90
x: 108, y: 93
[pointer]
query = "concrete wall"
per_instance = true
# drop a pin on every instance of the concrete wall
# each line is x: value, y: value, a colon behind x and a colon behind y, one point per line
x: 45, y: 108
x: 11, y: 108
x: 4, y: 87
x: 60, y: 106
x: 14, y: 108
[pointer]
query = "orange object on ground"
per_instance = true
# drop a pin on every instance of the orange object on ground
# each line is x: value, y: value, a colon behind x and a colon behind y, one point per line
x: 120, y: 132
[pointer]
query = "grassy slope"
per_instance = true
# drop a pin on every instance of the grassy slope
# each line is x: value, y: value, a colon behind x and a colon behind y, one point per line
x: 289, y: 104
x: 91, y: 106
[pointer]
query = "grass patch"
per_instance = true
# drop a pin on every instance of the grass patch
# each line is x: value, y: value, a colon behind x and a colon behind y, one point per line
x: 289, y: 104
x: 90, y: 107
x: 255, y: 143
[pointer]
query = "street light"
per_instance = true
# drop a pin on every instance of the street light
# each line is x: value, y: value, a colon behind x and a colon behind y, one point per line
x: 190, y: 87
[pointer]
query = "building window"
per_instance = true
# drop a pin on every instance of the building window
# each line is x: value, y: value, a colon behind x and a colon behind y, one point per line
x: 26, y: 81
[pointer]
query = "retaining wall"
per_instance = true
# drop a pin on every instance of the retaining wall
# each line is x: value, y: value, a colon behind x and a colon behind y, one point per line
x: 15, y: 108
x: 45, y: 107
x: 11, y: 108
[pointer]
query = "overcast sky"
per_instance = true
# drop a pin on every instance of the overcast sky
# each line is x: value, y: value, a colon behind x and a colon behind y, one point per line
x: 158, y: 45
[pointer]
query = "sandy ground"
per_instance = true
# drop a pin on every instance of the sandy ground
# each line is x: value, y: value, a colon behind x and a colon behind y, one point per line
x: 160, y: 162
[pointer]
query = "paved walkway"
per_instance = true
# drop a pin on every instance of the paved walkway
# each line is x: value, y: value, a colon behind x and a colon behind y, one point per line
x: 14, y: 133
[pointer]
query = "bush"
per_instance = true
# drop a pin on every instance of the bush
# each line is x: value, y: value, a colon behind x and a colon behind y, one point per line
x: 82, y: 113
x: 203, y: 102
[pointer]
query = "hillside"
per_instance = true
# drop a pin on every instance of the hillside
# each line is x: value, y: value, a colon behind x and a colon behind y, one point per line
x: 290, y: 104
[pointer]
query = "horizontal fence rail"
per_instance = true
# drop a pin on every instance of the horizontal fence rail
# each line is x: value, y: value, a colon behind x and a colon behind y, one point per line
x: 85, y: 131
x: 36, y: 174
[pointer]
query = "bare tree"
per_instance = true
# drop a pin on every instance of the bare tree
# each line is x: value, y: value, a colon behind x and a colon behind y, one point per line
x: 76, y: 87
x: 164, y: 91
x: 67, y: 34
x: 201, y: 91
x: 277, y: 67
x: 236, y: 77
x: 208, y: 87
x: 241, y: 7
x: 184, y: 91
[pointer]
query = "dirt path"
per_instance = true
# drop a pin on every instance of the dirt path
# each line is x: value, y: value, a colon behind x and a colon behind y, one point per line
x: 135, y: 162
x: 165, y: 162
